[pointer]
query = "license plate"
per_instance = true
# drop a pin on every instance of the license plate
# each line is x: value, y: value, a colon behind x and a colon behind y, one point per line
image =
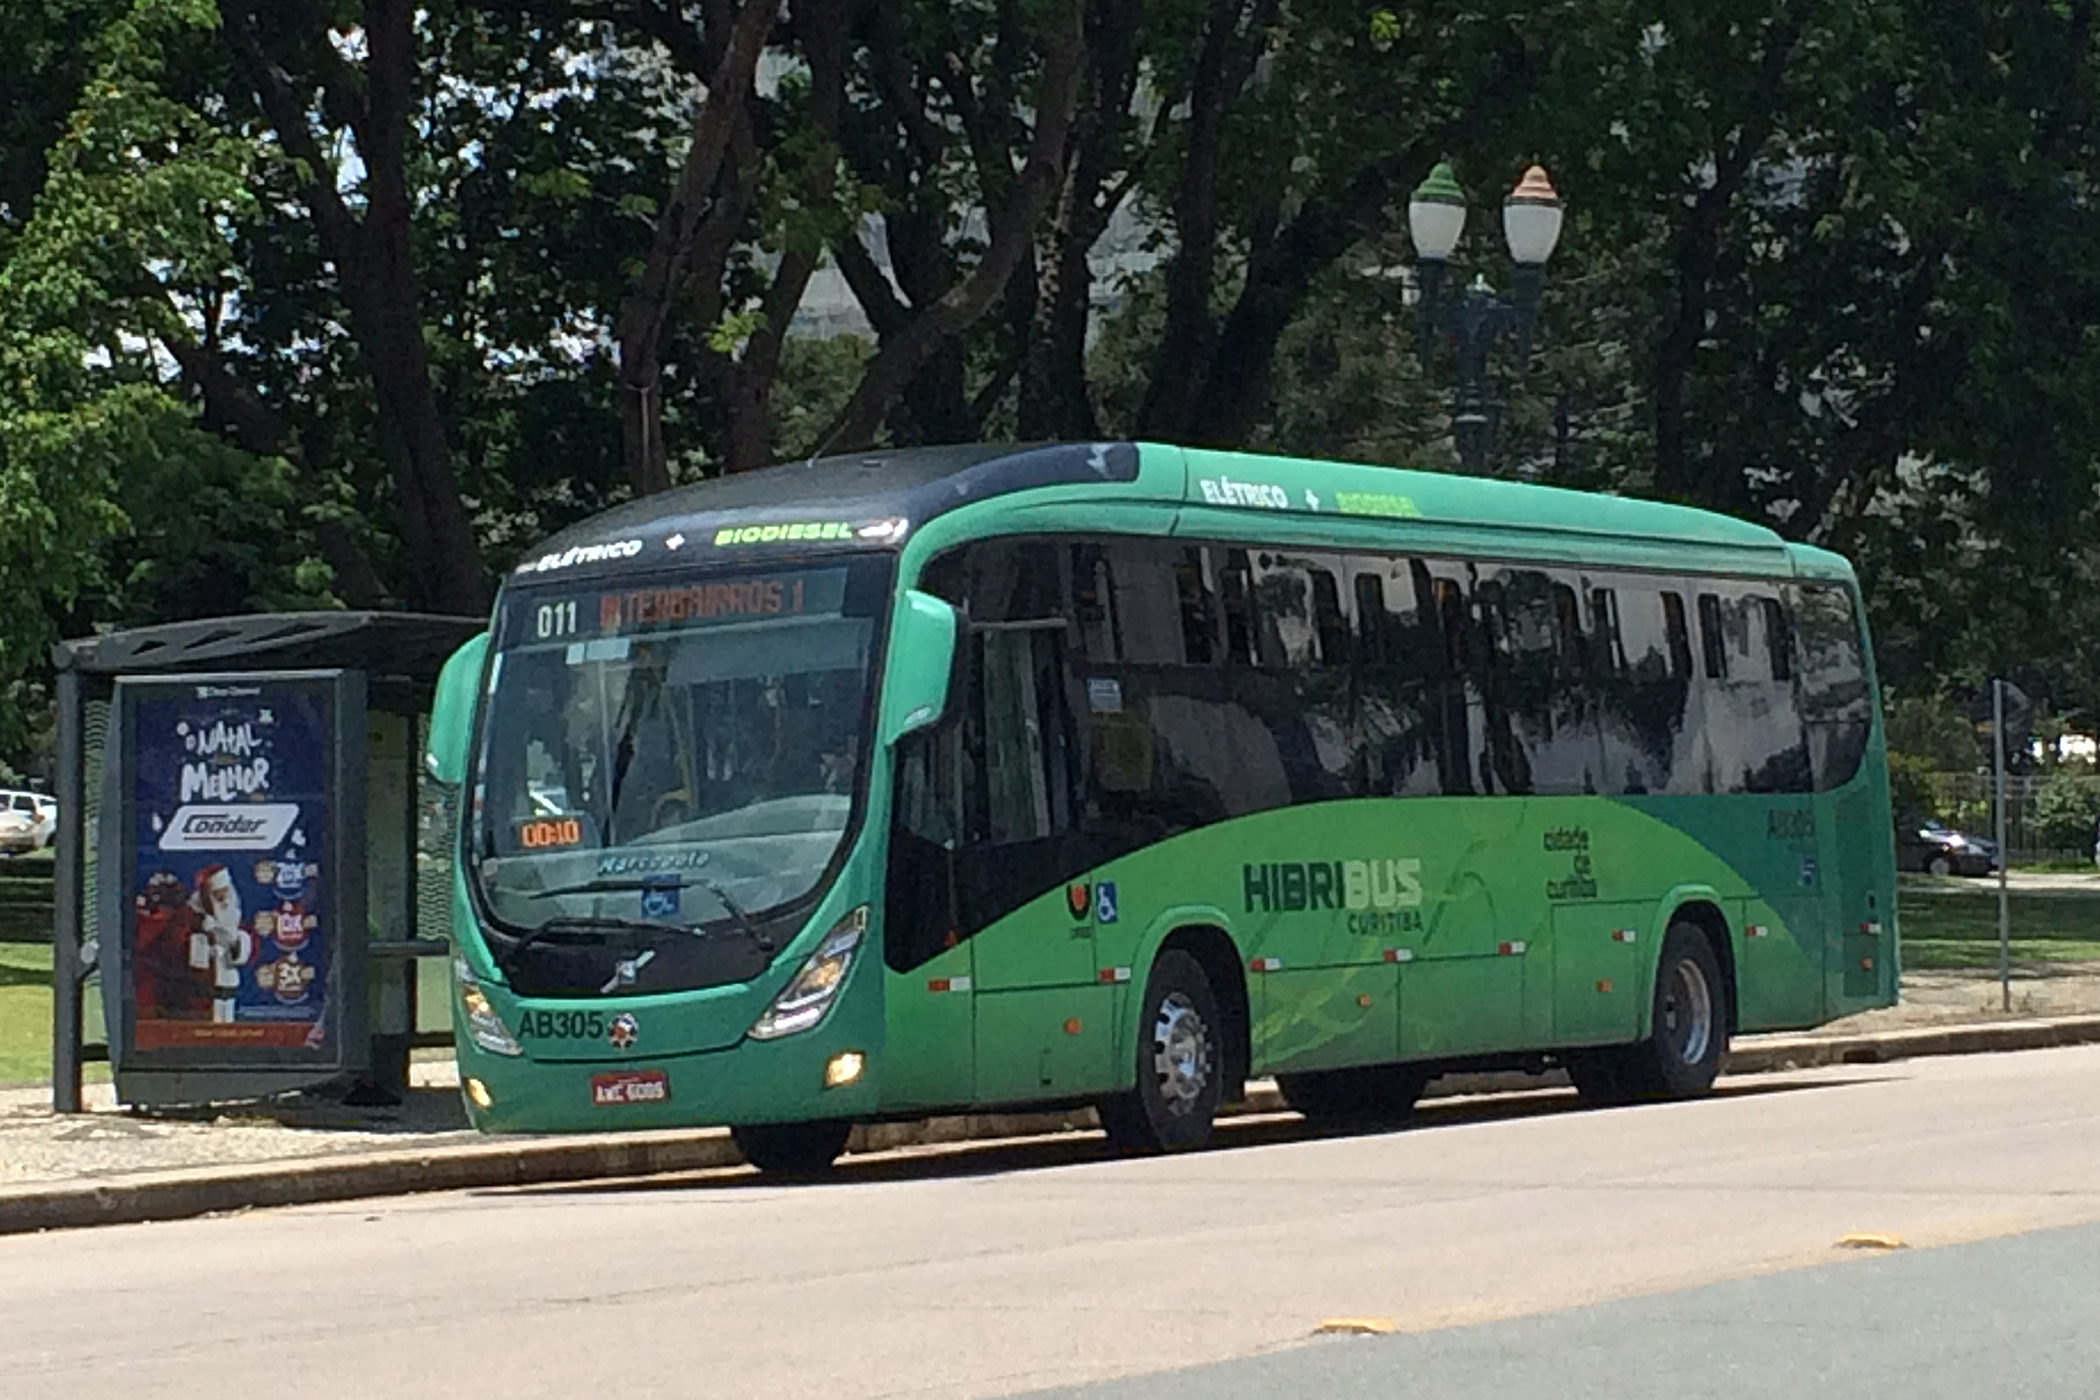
x: 630, y: 1086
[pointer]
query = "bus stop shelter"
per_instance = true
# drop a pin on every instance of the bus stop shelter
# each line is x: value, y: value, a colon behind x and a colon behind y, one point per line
x: 250, y: 860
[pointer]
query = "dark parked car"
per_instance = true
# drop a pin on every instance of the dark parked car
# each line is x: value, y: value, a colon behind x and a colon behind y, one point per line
x: 1927, y: 845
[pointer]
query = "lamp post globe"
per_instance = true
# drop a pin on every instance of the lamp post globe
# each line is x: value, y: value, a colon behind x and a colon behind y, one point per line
x: 1436, y: 215
x: 1531, y: 216
x: 1476, y: 318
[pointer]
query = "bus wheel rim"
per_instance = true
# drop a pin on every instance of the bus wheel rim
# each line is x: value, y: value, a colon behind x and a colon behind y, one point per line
x: 1688, y: 1012
x: 1181, y: 1055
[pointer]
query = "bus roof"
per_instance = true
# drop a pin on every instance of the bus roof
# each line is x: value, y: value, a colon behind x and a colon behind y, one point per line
x: 873, y: 500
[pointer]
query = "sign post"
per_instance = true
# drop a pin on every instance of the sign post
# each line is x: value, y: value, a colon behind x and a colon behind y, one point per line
x: 234, y: 807
x: 2004, y: 900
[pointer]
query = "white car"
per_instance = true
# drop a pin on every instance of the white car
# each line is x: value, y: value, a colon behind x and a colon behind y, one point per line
x: 41, y: 811
x: 17, y: 836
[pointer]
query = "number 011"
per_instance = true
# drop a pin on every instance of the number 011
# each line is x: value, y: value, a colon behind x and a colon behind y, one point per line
x: 556, y: 620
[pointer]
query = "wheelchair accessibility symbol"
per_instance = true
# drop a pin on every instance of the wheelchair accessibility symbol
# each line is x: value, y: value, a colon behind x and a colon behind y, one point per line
x: 1104, y: 901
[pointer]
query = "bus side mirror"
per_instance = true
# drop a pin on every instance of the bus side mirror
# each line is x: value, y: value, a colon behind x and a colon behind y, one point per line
x: 452, y: 712
x: 921, y: 661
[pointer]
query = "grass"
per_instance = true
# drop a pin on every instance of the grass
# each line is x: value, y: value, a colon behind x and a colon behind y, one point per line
x: 1941, y: 954
x: 1958, y: 928
x: 25, y: 1015
x: 25, y: 898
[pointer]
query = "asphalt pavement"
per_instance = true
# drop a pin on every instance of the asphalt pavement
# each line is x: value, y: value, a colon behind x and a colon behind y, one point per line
x: 1008, y: 1268
x: 2006, y: 1317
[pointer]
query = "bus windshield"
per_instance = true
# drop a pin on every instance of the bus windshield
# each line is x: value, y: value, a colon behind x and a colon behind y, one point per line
x: 672, y: 751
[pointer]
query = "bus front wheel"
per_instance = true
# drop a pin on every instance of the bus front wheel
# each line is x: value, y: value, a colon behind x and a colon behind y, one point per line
x: 1180, y: 1063
x: 1687, y: 1038
x: 791, y: 1149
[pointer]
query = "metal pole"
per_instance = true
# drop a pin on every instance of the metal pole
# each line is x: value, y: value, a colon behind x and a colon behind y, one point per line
x: 2004, y: 901
x: 1477, y: 323
x: 67, y: 899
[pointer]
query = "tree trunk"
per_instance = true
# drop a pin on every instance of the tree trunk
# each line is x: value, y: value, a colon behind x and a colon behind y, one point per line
x: 822, y: 26
x: 1233, y: 392
x: 1054, y: 400
x: 639, y: 329
x: 1223, y: 67
x: 934, y: 327
x: 1698, y: 256
x: 376, y: 274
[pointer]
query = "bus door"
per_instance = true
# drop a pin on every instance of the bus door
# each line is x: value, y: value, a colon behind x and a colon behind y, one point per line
x: 929, y: 1047
x: 1042, y: 1021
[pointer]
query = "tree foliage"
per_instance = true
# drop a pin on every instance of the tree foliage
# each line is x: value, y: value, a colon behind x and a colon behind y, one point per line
x: 347, y: 301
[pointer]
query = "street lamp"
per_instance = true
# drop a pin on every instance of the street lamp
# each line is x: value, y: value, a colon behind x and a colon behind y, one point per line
x: 1477, y: 318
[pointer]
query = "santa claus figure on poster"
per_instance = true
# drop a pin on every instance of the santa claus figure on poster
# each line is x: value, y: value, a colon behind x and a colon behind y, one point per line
x: 220, y: 944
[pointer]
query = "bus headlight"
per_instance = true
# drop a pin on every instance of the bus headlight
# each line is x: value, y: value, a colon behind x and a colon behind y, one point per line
x: 483, y: 1023
x: 808, y: 995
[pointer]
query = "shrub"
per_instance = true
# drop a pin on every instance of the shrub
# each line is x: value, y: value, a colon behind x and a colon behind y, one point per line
x: 2065, y: 813
x: 1911, y: 790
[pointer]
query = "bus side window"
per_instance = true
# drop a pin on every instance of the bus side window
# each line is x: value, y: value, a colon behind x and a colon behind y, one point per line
x: 1298, y: 684
x: 1373, y: 623
x: 929, y: 787
x: 1779, y: 645
x: 1545, y: 688
x: 1095, y: 605
x: 1608, y: 643
x: 1678, y: 634
x: 1236, y: 589
x: 1575, y: 642
x: 1284, y: 635
x: 1713, y: 643
x: 1488, y: 666
x: 1644, y: 688
x: 1397, y: 706
x: 1202, y: 621
x: 1026, y: 763
x: 1445, y: 627
x: 1836, y: 704
x: 1331, y: 627
x: 1770, y: 752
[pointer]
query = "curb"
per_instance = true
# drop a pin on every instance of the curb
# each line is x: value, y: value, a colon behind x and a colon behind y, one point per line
x: 181, y: 1194
x: 1768, y: 1053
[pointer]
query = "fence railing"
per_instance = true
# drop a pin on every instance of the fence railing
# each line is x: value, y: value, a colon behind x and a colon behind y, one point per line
x: 1964, y: 801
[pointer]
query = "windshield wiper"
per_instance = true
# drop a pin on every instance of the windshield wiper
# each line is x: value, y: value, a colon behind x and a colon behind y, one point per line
x: 685, y: 881
x: 601, y: 927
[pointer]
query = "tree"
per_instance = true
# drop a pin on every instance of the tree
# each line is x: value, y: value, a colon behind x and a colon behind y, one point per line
x: 291, y: 56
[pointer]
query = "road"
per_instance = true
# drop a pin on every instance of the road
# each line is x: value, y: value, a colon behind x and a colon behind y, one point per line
x: 999, y: 1270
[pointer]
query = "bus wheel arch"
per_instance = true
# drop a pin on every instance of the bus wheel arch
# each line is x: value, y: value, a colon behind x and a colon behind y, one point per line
x: 1215, y: 952
x: 1706, y: 916
x: 1684, y: 1044
x: 1184, y: 1049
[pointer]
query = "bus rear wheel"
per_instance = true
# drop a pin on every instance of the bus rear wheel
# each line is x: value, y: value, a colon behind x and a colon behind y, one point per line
x: 791, y: 1149
x: 1180, y: 1063
x: 1687, y: 1037
x: 1370, y: 1096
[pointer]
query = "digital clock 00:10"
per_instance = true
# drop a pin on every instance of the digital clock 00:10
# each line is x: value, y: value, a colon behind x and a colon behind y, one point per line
x: 550, y: 833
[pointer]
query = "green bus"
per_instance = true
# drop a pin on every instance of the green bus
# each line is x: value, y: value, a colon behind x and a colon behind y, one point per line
x: 1117, y: 774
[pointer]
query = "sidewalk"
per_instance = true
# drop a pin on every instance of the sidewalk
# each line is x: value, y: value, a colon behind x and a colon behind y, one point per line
x: 109, y: 1166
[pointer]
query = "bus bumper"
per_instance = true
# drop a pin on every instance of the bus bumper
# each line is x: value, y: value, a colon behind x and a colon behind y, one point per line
x: 828, y: 1071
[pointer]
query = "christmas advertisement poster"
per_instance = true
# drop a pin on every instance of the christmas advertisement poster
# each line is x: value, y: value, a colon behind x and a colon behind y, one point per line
x: 229, y: 940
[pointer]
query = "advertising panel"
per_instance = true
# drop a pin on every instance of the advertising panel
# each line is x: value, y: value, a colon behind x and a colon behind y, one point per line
x: 233, y: 922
